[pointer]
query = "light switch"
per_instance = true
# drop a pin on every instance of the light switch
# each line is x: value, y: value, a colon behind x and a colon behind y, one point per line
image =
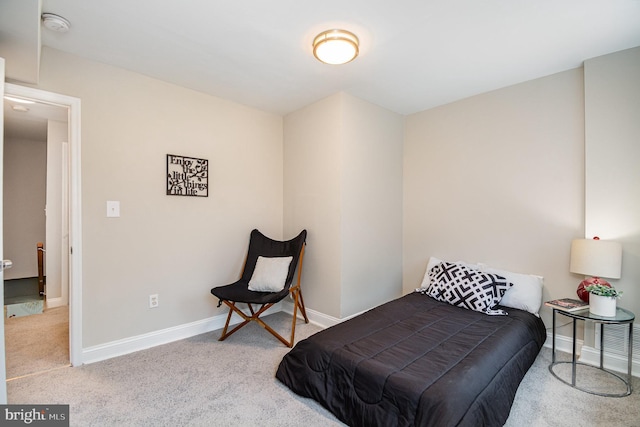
x: 113, y: 209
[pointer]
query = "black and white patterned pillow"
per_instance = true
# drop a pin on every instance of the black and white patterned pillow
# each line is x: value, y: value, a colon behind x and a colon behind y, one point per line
x: 466, y: 287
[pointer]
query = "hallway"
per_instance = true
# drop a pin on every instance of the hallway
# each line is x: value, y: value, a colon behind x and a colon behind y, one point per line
x: 37, y: 343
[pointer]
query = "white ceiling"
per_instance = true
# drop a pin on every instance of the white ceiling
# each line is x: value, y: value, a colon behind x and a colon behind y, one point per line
x: 32, y: 123
x: 414, y: 54
x: 20, y: 38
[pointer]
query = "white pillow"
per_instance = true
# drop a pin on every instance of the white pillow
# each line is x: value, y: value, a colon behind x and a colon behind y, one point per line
x: 526, y: 293
x: 270, y: 274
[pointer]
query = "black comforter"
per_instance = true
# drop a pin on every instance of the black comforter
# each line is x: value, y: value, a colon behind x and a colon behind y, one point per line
x: 417, y: 361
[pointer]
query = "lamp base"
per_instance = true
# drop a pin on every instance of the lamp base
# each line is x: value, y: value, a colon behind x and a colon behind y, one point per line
x: 583, y: 294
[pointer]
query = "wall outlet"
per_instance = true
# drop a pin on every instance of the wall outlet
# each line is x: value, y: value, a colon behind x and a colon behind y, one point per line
x: 153, y: 301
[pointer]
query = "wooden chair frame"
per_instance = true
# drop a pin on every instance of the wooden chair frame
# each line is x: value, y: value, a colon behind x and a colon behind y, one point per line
x: 296, y: 294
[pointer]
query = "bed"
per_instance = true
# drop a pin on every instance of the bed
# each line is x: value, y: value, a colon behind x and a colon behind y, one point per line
x: 417, y: 361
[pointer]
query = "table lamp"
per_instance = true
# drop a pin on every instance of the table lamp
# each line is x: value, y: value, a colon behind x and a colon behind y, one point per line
x: 596, y: 258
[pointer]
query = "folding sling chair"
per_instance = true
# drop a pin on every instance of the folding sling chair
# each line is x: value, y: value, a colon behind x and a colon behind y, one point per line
x: 268, y: 259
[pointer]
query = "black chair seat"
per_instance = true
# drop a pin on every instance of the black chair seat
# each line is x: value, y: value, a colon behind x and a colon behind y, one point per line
x: 239, y: 292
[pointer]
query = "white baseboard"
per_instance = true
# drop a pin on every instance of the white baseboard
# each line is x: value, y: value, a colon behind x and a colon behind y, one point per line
x: 141, y: 342
x: 164, y: 336
x: 54, y: 302
x: 591, y: 355
x: 564, y: 344
x: 316, y: 317
x: 614, y: 362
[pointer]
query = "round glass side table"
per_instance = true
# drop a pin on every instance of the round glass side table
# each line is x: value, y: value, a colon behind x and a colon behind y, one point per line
x: 622, y: 317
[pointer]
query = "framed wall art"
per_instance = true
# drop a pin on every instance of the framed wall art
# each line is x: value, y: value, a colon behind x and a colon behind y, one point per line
x: 187, y: 176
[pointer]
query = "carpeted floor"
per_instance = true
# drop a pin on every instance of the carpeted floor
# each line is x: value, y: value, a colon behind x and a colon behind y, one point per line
x: 544, y: 401
x: 37, y: 343
x: 203, y: 382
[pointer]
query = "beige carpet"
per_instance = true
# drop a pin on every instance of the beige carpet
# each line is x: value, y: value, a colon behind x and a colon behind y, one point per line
x: 37, y: 343
x: 203, y: 382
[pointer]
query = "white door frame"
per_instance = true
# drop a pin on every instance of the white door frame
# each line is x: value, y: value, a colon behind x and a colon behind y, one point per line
x: 3, y: 370
x: 75, y: 211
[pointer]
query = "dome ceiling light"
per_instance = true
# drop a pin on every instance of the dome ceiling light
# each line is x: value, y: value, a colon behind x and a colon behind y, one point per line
x: 20, y: 108
x: 335, y: 47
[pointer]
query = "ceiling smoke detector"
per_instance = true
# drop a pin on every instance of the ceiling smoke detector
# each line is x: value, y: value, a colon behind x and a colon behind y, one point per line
x: 55, y: 23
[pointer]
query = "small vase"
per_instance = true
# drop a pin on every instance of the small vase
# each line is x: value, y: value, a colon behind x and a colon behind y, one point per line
x: 602, y: 306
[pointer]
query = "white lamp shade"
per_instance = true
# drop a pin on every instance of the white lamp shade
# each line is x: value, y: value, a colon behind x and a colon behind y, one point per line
x: 597, y: 258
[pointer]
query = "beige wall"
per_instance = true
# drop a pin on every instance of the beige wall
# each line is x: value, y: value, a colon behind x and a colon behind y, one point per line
x: 312, y: 198
x: 25, y: 172
x: 498, y: 178
x: 177, y: 247
x: 372, y: 206
x: 343, y: 182
x: 612, y: 116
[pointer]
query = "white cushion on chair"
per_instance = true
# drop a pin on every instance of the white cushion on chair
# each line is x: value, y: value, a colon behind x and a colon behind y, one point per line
x: 270, y: 274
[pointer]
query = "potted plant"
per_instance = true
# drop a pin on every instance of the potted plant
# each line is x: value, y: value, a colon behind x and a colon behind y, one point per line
x: 602, y: 300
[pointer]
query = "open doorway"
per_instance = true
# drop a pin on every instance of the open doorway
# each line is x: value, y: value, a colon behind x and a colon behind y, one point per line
x: 60, y: 121
x: 36, y: 218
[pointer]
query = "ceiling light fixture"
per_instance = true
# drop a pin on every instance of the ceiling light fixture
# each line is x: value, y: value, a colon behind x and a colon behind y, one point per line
x: 55, y: 23
x: 20, y: 108
x: 336, y: 47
